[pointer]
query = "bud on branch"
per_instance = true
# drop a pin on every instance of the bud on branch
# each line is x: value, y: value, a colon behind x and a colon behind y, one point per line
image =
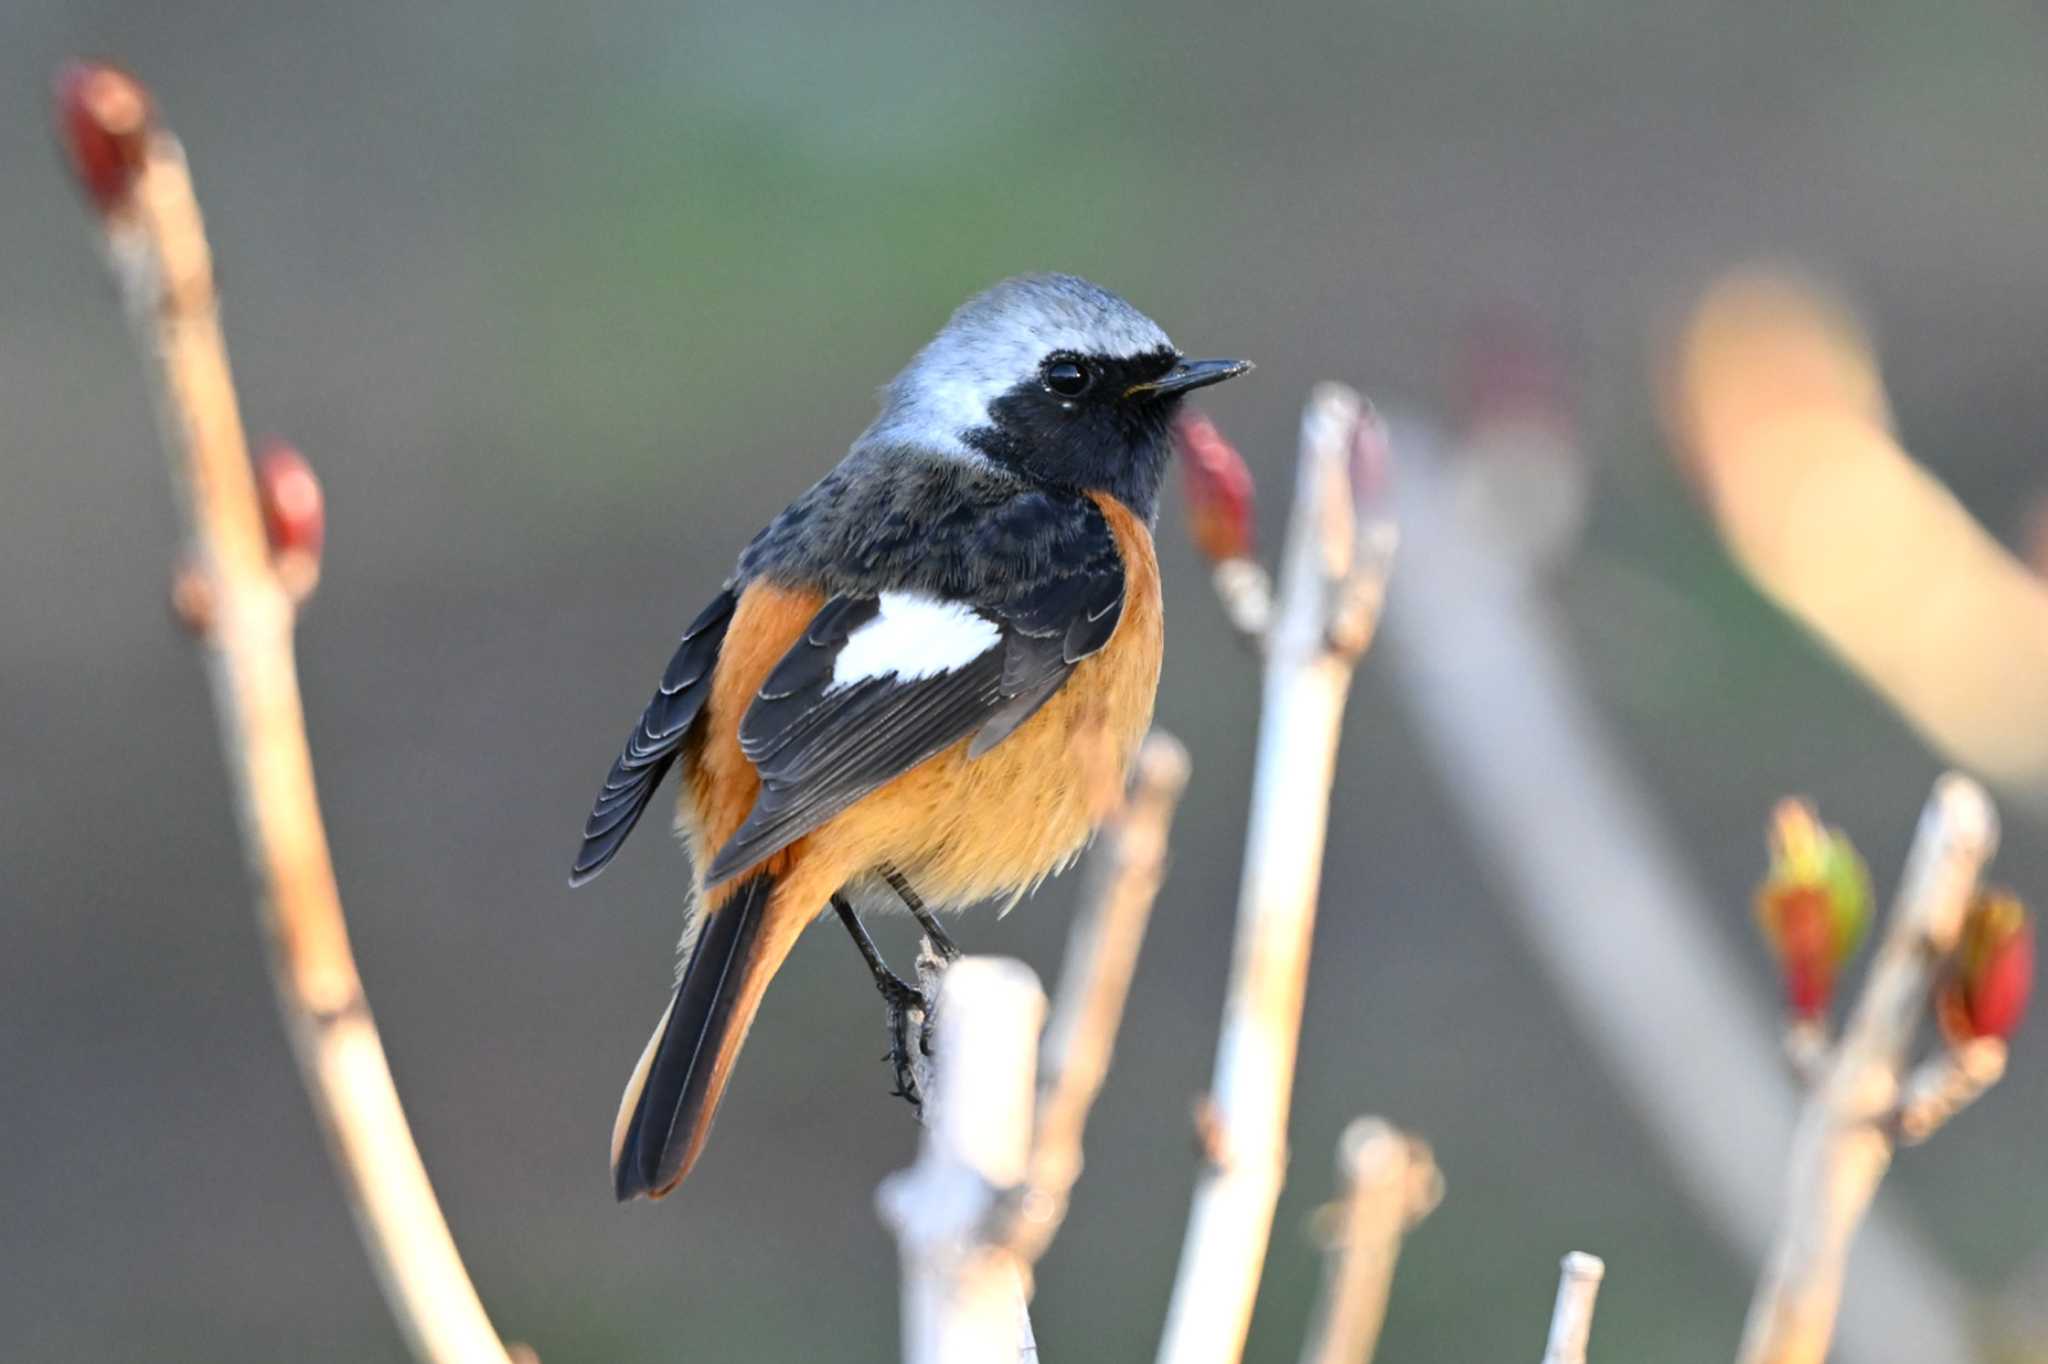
x: 1813, y: 907
x: 294, y: 516
x: 103, y: 120
x: 1219, y: 489
x: 1985, y: 990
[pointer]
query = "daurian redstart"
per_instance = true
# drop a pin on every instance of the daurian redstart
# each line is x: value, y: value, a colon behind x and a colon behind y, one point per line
x: 924, y: 680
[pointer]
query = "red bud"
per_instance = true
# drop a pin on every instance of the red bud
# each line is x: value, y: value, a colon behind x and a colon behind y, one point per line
x: 1813, y: 907
x: 294, y: 517
x: 1985, y: 991
x: 103, y: 118
x: 1219, y: 488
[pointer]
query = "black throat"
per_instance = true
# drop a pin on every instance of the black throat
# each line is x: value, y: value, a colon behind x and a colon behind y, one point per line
x: 1101, y: 441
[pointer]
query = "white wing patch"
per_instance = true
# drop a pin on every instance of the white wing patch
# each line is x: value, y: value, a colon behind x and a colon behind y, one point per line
x: 914, y: 636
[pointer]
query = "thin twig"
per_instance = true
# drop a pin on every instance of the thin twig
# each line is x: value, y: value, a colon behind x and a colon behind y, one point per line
x: 1307, y: 680
x: 1947, y: 1083
x: 1571, y: 1320
x: 1843, y: 1144
x: 158, y: 247
x: 1095, y: 979
x: 963, y: 1290
x: 1390, y: 1183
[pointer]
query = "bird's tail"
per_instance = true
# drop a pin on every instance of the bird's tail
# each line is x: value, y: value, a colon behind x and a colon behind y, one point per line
x: 670, y: 1101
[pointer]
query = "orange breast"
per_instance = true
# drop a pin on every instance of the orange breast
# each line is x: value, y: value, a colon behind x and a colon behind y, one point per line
x: 960, y: 829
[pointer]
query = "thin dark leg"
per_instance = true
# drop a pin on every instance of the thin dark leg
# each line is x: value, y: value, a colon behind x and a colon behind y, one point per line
x: 898, y: 995
x: 942, y: 942
x: 894, y: 988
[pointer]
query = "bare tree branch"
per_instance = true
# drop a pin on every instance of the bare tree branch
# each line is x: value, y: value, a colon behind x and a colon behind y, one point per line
x: 1390, y: 1182
x: 1095, y: 979
x: 1308, y: 676
x: 1777, y: 405
x: 135, y: 172
x: 1844, y: 1140
x: 963, y: 1288
x: 1571, y: 1320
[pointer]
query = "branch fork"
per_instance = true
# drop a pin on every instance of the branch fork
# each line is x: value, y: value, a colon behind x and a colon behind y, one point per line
x: 1864, y: 1100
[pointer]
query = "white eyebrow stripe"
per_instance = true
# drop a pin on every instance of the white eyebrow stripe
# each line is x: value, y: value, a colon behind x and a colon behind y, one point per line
x: 914, y: 636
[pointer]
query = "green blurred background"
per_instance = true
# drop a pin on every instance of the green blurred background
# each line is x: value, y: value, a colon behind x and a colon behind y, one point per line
x: 563, y: 301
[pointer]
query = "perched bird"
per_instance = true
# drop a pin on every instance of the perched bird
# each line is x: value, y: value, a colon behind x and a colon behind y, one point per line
x: 923, y: 681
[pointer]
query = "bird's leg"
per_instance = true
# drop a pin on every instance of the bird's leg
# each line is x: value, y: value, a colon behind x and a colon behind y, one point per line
x: 898, y: 995
x: 942, y: 942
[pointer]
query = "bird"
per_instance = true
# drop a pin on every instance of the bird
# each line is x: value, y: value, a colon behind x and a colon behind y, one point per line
x: 924, y: 680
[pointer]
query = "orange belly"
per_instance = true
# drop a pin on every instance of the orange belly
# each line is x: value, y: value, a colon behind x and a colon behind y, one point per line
x: 961, y: 830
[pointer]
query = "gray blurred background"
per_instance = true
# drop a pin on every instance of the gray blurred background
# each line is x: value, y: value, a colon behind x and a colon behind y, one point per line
x: 562, y: 301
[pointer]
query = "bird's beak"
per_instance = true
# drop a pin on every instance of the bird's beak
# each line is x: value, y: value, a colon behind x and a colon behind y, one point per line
x: 1189, y: 375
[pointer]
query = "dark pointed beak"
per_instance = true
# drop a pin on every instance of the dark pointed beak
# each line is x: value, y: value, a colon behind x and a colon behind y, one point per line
x: 1188, y: 376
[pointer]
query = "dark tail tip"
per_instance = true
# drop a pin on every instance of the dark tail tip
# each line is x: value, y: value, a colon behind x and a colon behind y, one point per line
x: 669, y: 1103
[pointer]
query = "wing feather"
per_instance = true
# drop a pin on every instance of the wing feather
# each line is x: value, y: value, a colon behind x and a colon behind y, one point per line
x: 655, y: 741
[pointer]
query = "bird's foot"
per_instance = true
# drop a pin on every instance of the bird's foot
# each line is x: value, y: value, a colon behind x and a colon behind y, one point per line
x: 901, y: 999
x: 900, y: 1058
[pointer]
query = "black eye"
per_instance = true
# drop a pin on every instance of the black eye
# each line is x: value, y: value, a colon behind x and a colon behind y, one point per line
x: 1068, y: 378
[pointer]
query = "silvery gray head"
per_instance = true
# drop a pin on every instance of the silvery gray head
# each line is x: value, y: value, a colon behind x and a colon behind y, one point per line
x: 1057, y: 378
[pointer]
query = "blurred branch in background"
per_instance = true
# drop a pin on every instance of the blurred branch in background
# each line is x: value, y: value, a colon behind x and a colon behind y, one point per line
x: 1593, y: 880
x: 253, y: 547
x: 1571, y: 1319
x: 1126, y: 869
x: 1333, y: 574
x: 1945, y: 947
x: 1776, y: 405
x: 1389, y: 1182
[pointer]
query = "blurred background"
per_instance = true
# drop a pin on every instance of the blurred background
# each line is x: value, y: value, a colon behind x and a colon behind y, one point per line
x: 562, y: 302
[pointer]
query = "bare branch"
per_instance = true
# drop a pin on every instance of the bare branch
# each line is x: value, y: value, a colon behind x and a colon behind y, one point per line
x: 1390, y: 1183
x: 1843, y: 1143
x: 1102, y: 954
x: 158, y: 248
x: 1571, y: 1320
x: 1947, y: 1083
x: 1307, y: 681
x: 963, y: 1290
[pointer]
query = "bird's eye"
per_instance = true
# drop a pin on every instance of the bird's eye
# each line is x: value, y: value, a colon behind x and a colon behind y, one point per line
x: 1068, y: 378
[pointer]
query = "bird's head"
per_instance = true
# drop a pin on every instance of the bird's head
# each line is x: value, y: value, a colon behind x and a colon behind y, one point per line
x: 1055, y: 378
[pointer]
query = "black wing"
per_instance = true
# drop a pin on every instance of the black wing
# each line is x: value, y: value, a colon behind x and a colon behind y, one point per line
x: 654, y: 741
x: 820, y: 747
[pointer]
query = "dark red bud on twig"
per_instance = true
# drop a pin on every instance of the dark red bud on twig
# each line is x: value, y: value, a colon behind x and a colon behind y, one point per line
x: 1991, y: 976
x: 294, y: 516
x: 1219, y: 488
x: 103, y: 118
